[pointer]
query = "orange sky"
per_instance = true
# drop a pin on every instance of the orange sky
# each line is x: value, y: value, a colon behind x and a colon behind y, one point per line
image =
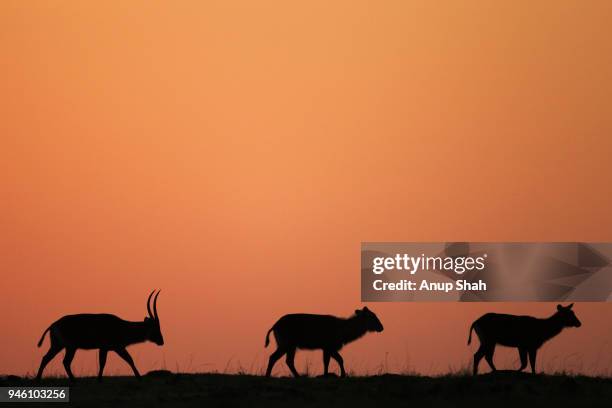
x: 235, y: 154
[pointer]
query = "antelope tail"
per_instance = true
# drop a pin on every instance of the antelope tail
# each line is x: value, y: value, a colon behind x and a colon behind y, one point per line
x: 40, y: 342
x: 470, y: 336
x: 268, y: 336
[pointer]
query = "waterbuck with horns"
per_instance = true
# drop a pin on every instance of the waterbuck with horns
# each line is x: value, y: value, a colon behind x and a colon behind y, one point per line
x: 104, y: 332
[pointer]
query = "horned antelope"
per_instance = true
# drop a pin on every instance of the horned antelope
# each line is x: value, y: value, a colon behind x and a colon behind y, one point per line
x: 523, y: 332
x: 104, y: 332
x: 311, y: 332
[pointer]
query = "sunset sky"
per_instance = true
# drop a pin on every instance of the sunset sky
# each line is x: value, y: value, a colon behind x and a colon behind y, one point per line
x: 236, y: 153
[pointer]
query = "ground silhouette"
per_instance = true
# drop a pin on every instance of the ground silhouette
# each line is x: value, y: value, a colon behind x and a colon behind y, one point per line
x: 501, y: 389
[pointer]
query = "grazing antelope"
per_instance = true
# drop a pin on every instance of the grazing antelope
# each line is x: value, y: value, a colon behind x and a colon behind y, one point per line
x: 311, y: 332
x: 523, y: 332
x: 105, y: 332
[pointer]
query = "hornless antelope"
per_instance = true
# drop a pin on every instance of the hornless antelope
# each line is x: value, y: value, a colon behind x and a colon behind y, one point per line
x: 311, y: 332
x: 105, y: 332
x: 523, y: 332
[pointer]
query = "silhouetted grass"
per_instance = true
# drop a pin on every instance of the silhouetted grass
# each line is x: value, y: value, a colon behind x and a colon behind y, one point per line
x: 503, y: 389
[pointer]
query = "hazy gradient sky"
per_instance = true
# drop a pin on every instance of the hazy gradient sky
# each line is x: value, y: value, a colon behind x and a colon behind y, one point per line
x: 235, y: 154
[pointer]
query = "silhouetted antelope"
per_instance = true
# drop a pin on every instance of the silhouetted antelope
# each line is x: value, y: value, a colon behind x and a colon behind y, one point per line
x: 105, y: 332
x: 311, y: 332
x: 523, y: 332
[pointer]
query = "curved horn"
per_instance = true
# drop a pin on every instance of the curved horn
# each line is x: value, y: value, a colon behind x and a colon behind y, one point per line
x: 149, y: 306
x: 155, y: 305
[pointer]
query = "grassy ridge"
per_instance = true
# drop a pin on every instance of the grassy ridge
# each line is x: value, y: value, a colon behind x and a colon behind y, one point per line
x: 504, y: 389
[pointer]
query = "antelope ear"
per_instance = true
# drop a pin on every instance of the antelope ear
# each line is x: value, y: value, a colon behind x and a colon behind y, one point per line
x: 357, y: 311
x: 570, y: 306
x: 365, y: 309
x: 559, y: 307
